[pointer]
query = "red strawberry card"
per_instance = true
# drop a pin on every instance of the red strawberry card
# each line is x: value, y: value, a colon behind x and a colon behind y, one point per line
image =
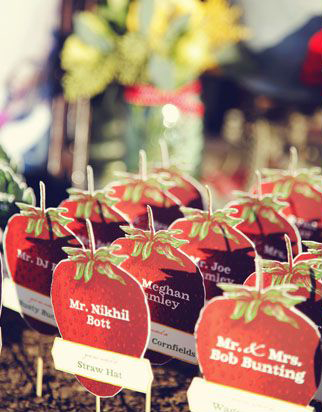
x: 97, y: 206
x: 135, y: 192
x: 98, y: 304
x: 305, y: 275
x: 173, y: 286
x: 254, y: 340
x: 265, y: 225
x: 33, y: 242
x: 185, y: 187
x: 222, y: 252
x: 302, y: 190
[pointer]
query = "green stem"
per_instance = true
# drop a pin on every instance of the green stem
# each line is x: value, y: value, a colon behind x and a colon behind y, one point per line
x: 151, y: 223
x: 42, y: 189
x: 259, y: 273
x: 259, y: 185
x: 91, y: 238
x: 142, y: 165
x: 165, y: 159
x: 293, y: 160
x: 289, y: 252
x: 90, y: 180
x: 210, y: 202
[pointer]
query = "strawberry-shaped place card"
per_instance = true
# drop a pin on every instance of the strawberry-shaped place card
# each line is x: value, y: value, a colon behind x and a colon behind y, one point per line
x: 254, y: 339
x: 33, y: 242
x: 12, y: 189
x: 135, y: 192
x: 99, y: 208
x: 100, y: 305
x: 185, y: 188
x: 173, y: 286
x: 222, y: 252
x: 306, y: 275
x: 265, y: 225
x: 302, y: 190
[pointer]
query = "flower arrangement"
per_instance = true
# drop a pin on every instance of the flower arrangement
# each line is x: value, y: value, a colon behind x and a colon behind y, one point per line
x: 164, y: 43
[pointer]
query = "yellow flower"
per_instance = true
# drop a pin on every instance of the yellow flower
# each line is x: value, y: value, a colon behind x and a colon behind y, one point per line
x: 77, y: 53
x: 219, y: 22
x: 132, y: 22
x: 193, y: 51
x: 210, y: 25
x: 165, y: 12
x: 87, y: 81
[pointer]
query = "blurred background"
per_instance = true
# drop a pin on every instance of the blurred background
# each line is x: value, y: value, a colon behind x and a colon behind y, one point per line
x: 230, y: 85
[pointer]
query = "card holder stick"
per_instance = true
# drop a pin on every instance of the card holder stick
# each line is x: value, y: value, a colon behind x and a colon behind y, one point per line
x: 40, y: 367
x: 98, y: 404
x: 148, y: 399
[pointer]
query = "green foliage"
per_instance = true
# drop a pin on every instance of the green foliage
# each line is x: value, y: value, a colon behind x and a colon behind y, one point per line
x: 299, y: 273
x: 313, y: 247
x: 100, y: 261
x: 95, y: 55
x: 153, y: 187
x: 4, y: 157
x: 161, y: 72
x: 38, y: 220
x: 12, y: 189
x: 93, y: 31
x: 220, y: 222
x: 163, y: 43
x: 271, y: 301
x: 88, y: 203
x: 146, y: 9
x: 302, y: 181
x: 267, y: 207
x: 145, y: 241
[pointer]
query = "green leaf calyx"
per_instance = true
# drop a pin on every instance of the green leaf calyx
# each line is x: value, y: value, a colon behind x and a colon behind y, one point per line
x: 49, y: 219
x: 162, y: 242
x: 100, y: 260
x: 271, y: 301
x: 219, y: 221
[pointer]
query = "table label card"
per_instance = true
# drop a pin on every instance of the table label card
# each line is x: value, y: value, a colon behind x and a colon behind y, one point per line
x: 182, y: 346
x: 29, y: 302
x: 207, y: 396
x: 102, y: 365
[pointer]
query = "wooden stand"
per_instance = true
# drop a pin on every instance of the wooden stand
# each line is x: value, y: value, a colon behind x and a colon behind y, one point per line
x: 98, y: 404
x: 40, y: 367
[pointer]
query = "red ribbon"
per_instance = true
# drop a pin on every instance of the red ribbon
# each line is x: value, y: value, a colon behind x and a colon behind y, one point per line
x: 186, y: 98
x: 312, y: 67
